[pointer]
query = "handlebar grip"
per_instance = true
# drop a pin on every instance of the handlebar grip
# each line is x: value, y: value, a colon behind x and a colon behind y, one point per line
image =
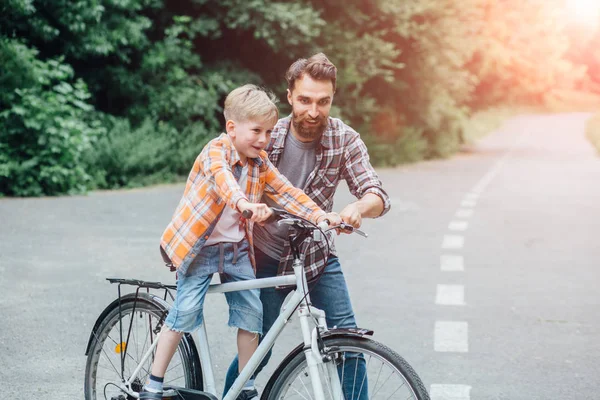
x: 277, y: 214
x: 323, y: 225
x: 247, y: 214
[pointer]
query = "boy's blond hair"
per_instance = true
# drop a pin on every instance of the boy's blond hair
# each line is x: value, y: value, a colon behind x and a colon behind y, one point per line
x: 249, y: 102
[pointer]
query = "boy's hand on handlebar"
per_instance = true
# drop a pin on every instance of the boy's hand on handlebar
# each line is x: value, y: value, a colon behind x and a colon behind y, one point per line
x: 260, y: 211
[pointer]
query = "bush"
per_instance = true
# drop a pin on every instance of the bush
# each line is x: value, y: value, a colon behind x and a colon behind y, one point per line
x: 46, y: 126
x: 405, y: 147
x: 152, y: 153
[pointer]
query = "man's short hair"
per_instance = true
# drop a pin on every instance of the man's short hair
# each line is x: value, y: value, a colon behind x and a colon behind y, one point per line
x: 318, y: 67
x: 250, y: 102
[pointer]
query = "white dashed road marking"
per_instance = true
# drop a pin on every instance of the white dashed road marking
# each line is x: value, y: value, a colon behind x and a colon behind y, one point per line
x: 450, y: 295
x: 453, y: 242
x: 458, y: 225
x: 451, y: 262
x: 468, y: 203
x: 450, y: 392
x: 464, y: 213
x: 451, y: 336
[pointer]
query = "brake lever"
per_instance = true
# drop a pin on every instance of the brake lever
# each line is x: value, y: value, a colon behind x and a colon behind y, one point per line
x: 361, y: 233
x: 349, y: 228
x: 288, y: 221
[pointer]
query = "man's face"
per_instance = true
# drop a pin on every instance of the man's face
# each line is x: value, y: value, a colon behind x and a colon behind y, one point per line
x: 250, y: 137
x: 311, y: 102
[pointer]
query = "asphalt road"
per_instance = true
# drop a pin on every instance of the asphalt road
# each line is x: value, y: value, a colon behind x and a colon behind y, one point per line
x: 483, y: 275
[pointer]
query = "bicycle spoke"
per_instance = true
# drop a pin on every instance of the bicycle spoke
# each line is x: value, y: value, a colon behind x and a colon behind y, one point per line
x: 104, y: 368
x: 304, y: 385
x: 388, y: 378
x: 107, y: 357
x: 130, y: 356
x: 354, y: 382
x: 396, y: 391
x: 108, y: 369
x: 172, y: 367
x: 141, y: 354
x: 116, y: 370
x: 378, y: 375
x: 343, y: 372
x: 148, y: 332
x: 364, y: 377
x: 135, y: 342
x: 175, y: 379
x: 328, y: 380
x: 300, y: 394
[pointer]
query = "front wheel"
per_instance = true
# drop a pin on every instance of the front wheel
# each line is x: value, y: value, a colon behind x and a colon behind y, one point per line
x: 365, y: 368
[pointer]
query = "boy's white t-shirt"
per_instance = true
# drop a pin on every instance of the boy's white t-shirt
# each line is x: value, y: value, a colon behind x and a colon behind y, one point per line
x: 229, y: 227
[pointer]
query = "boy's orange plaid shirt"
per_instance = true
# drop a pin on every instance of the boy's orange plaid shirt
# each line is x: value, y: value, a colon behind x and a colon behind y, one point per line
x: 212, y: 185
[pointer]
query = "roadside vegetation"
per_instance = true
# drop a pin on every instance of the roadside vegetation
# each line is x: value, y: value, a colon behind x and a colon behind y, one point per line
x: 593, y: 131
x: 99, y: 94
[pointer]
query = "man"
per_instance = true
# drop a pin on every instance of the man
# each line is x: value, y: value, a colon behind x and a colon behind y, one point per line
x: 315, y: 151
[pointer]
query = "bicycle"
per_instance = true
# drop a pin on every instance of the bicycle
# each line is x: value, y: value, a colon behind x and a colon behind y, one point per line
x: 326, y: 358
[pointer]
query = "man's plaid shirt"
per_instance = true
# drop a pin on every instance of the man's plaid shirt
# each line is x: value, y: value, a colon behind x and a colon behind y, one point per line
x: 341, y: 155
x: 212, y: 185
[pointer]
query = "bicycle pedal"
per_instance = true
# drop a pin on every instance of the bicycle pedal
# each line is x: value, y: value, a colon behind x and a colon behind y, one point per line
x: 181, y: 393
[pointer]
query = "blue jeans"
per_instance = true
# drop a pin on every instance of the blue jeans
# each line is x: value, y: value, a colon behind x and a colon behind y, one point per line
x: 232, y: 261
x: 330, y: 294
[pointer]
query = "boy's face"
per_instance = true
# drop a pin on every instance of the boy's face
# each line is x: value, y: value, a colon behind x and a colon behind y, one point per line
x: 250, y: 137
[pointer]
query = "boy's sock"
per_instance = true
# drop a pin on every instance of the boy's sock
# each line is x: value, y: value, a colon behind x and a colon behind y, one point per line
x: 249, y: 385
x: 154, y: 384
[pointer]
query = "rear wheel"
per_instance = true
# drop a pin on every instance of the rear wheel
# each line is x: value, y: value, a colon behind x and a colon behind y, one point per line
x: 367, y: 370
x: 120, y: 343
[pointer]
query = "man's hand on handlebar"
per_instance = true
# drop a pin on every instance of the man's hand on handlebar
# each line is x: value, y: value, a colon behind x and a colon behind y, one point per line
x: 331, y: 218
x: 335, y: 220
x: 351, y: 215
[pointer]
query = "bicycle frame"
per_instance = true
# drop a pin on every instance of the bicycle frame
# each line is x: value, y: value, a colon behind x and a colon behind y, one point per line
x: 299, y: 300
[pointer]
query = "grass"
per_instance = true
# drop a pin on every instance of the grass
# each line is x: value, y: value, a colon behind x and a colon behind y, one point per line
x: 592, y: 131
x: 572, y: 100
x: 557, y: 101
x: 484, y: 122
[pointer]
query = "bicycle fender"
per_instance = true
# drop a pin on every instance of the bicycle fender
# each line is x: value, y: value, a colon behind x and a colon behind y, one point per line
x: 348, y: 331
x: 141, y: 297
x: 356, y: 332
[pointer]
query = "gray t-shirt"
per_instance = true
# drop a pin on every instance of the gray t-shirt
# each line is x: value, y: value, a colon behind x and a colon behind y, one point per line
x: 296, y: 163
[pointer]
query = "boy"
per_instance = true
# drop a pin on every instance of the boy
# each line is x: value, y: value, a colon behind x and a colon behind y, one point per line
x: 207, y: 235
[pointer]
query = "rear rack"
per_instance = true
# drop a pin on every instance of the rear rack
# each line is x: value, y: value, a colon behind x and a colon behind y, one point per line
x: 142, y: 284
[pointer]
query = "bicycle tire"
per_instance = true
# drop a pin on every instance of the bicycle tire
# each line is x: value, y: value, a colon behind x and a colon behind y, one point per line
x: 148, y: 308
x: 282, y: 381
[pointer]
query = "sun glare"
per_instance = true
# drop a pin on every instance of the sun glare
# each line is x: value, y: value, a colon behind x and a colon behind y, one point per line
x: 585, y: 12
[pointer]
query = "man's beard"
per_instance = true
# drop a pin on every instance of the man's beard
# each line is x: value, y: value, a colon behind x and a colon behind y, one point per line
x: 309, y: 132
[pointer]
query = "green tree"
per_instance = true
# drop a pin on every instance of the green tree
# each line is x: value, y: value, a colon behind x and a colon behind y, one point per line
x: 46, y: 125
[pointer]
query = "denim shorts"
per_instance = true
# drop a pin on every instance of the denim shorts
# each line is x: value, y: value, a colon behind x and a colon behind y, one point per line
x: 232, y: 262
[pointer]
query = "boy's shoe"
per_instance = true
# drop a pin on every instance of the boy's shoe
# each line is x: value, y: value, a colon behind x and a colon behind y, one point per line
x: 144, y: 394
x: 249, y: 394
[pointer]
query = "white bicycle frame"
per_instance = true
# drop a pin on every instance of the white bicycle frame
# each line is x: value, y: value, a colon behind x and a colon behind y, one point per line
x: 299, y: 300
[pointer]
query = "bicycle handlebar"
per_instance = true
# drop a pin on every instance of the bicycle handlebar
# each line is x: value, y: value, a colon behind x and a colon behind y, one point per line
x: 281, y: 215
x: 247, y: 214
